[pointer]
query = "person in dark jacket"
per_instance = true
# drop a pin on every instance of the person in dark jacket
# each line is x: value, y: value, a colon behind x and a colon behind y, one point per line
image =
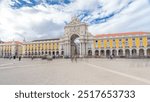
x: 19, y: 58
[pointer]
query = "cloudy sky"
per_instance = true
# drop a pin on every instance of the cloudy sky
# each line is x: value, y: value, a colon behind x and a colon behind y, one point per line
x: 40, y: 19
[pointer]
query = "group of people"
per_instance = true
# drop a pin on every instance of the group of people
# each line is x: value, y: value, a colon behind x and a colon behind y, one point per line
x: 14, y: 57
x: 111, y: 56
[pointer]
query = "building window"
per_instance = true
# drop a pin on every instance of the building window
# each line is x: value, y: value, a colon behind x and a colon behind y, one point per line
x: 114, y: 44
x: 127, y: 44
x: 120, y: 43
x: 141, y: 43
x: 148, y: 39
x: 140, y: 38
x: 134, y: 44
x: 102, y: 43
x: 89, y: 45
x: 108, y: 43
x: 96, y: 44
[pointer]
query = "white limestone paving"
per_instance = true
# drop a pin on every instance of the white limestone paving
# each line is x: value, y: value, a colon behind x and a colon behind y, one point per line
x: 90, y: 71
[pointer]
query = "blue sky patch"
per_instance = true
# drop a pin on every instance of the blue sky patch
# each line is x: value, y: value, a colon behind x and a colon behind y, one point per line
x: 23, y: 3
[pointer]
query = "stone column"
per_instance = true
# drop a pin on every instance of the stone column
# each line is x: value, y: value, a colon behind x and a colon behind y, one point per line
x: 80, y: 49
x: 83, y: 48
x: 60, y: 47
x: 93, y: 49
x: 110, y: 52
x: 130, y: 52
x: 123, y: 52
x: 137, y: 52
x: 145, y: 52
x: 65, y: 49
x: 68, y: 46
x: 117, y: 52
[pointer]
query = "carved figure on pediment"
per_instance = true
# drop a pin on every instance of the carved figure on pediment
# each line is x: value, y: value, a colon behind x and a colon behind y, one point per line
x: 74, y: 21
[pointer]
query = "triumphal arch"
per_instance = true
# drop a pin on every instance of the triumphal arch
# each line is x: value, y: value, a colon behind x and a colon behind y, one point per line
x: 76, y: 39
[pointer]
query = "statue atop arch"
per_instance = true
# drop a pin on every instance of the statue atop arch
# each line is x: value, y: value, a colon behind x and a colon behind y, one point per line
x: 75, y: 20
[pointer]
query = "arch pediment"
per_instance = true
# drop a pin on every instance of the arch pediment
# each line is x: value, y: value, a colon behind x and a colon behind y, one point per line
x: 74, y: 21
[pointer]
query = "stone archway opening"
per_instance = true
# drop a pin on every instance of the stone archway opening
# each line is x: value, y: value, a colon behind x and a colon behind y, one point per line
x: 120, y: 52
x: 96, y: 53
x: 134, y: 52
x: 114, y: 53
x: 90, y: 53
x: 127, y: 52
x: 107, y: 53
x: 53, y: 53
x: 49, y: 52
x: 141, y: 52
x: 148, y: 52
x: 75, y: 45
x: 102, y: 53
x: 57, y: 53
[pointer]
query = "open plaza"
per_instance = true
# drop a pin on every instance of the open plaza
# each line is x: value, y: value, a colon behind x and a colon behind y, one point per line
x: 92, y: 71
x: 129, y: 61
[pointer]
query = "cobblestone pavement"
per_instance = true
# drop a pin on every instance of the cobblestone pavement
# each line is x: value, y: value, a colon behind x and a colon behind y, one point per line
x: 82, y: 72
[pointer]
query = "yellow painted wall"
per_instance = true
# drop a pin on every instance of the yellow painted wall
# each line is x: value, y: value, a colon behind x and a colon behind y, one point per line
x: 47, y: 46
x: 144, y: 39
x: 58, y: 46
x: 55, y: 46
x: 27, y: 47
x: 94, y: 43
x: 41, y: 47
x: 123, y: 43
x: 137, y: 42
x: 31, y: 47
x: 51, y: 46
x: 36, y: 46
x: 130, y: 42
x: 105, y: 43
x: 117, y: 43
x: 99, y: 43
x: 111, y: 43
x: 44, y: 46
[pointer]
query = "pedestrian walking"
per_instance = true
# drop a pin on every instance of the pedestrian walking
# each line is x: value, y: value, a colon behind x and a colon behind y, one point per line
x: 32, y: 57
x: 19, y: 58
x: 14, y: 57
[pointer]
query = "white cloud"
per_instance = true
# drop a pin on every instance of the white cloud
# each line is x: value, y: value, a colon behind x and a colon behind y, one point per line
x: 134, y: 18
x: 31, y: 23
x: 47, y: 21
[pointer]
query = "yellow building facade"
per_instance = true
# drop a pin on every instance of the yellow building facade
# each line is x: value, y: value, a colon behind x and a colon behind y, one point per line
x: 132, y: 44
x: 39, y: 48
x: 11, y: 48
x: 77, y: 41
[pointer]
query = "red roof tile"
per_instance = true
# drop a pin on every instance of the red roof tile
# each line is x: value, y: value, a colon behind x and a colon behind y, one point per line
x: 10, y: 42
x: 121, y: 34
